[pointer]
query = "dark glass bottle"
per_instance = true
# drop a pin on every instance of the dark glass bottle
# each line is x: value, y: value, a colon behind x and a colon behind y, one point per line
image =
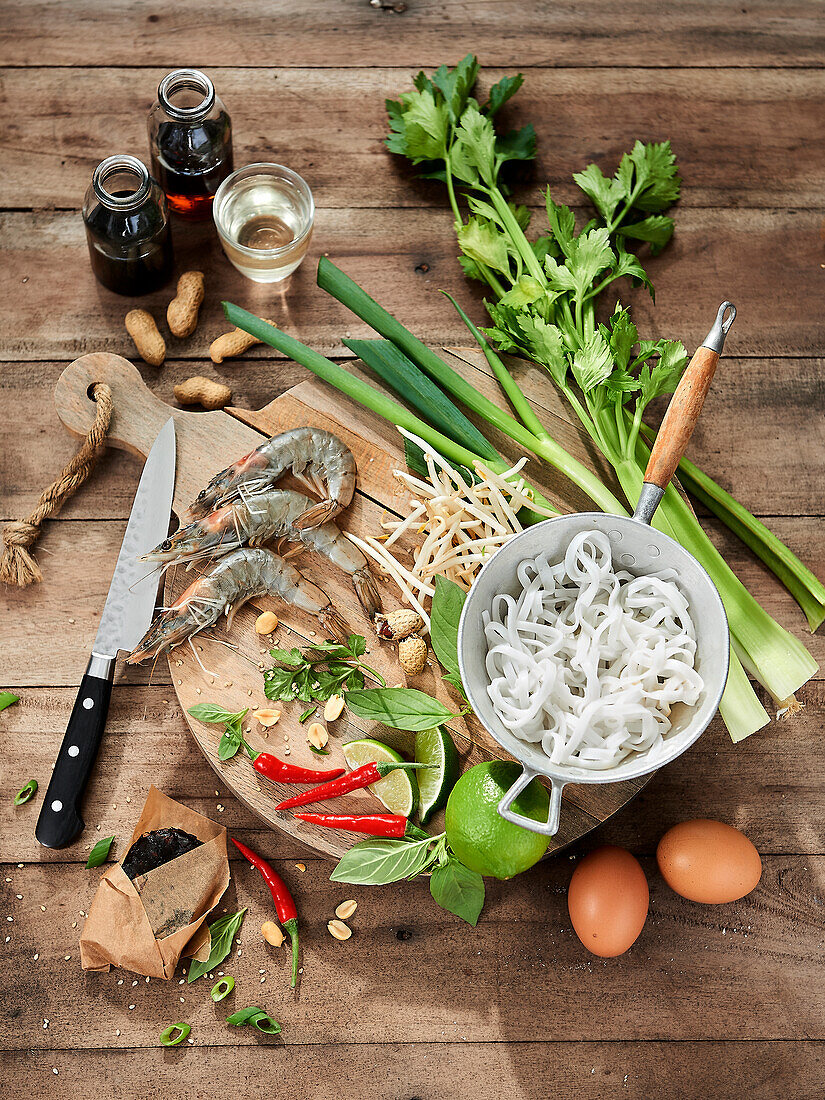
x: 127, y: 227
x: 190, y: 136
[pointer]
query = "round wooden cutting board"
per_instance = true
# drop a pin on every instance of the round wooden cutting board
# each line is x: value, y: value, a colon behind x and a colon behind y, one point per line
x: 231, y: 673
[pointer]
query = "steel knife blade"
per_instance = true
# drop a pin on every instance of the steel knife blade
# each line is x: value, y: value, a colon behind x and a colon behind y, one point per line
x: 125, y: 619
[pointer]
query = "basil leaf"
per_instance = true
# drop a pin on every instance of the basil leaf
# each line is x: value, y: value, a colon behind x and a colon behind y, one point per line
x: 221, y: 934
x: 401, y: 708
x: 210, y: 712
x: 7, y: 698
x: 448, y: 602
x: 458, y: 890
x: 26, y: 794
x: 308, y: 713
x: 229, y: 743
x: 254, y: 1017
x: 377, y: 862
x: 99, y: 853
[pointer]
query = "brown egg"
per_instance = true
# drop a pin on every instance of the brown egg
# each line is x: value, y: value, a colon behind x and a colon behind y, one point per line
x: 709, y: 862
x: 608, y: 901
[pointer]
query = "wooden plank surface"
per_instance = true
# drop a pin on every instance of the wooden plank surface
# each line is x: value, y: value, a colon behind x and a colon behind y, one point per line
x: 712, y: 1002
x: 547, y: 33
x: 45, y: 253
x: 753, y: 966
x: 528, y: 1071
x: 733, y: 149
x: 736, y: 441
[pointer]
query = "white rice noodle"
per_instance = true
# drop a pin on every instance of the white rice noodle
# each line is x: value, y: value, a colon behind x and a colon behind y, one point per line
x: 588, y: 661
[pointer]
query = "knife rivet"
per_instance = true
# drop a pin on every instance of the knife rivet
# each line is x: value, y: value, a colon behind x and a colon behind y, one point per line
x: 57, y: 805
x: 88, y: 703
x: 73, y: 750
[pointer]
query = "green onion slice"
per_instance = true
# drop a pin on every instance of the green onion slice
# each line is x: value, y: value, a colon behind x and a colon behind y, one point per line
x: 26, y: 794
x: 168, y: 1037
x: 222, y: 989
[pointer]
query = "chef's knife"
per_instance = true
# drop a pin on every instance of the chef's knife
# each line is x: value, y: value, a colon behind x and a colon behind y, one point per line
x: 125, y: 619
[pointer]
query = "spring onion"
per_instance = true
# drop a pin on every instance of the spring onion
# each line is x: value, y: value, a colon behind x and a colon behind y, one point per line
x: 174, y: 1035
x: 222, y: 989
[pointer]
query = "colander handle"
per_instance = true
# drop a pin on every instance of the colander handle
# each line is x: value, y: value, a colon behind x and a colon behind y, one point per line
x: 546, y: 828
x: 682, y: 414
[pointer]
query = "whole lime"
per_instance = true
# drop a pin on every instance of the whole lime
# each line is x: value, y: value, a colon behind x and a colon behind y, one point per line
x: 483, y: 840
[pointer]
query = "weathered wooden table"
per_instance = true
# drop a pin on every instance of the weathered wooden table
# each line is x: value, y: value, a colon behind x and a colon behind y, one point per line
x: 721, y: 1002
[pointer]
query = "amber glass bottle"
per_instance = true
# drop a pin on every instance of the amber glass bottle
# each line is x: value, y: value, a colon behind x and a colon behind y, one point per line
x: 190, y: 136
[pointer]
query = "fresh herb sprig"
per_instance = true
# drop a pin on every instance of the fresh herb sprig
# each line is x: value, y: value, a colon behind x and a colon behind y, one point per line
x: 232, y: 738
x: 380, y: 861
x: 316, y: 673
x: 255, y: 1017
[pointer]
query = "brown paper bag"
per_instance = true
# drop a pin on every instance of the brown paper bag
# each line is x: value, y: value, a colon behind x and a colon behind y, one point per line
x: 147, y: 925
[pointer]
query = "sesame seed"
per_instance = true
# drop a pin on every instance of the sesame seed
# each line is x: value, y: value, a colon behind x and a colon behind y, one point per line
x: 131, y: 1007
x: 10, y: 919
x: 19, y: 897
x: 37, y: 956
x: 117, y: 1032
x: 66, y: 958
x: 55, y: 1070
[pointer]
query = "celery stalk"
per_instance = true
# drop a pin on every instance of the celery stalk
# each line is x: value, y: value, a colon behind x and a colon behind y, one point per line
x: 805, y: 588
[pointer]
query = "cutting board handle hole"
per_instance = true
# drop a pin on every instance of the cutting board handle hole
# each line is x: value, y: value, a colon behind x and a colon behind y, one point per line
x: 90, y: 391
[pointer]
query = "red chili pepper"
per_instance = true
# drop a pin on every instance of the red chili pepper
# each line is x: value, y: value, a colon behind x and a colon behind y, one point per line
x: 284, y: 905
x: 375, y: 824
x: 272, y: 768
x: 364, y: 776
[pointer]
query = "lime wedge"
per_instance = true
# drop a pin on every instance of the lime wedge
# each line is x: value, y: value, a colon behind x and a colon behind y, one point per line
x: 436, y: 747
x: 398, y: 790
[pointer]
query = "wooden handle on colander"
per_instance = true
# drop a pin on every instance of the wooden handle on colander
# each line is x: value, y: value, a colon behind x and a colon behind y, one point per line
x: 686, y: 403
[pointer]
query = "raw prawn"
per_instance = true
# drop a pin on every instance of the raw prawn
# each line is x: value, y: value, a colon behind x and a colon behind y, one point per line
x: 254, y: 520
x: 234, y: 580
x: 308, y: 453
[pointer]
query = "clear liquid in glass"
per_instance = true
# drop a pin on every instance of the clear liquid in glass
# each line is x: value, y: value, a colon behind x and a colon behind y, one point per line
x: 265, y: 225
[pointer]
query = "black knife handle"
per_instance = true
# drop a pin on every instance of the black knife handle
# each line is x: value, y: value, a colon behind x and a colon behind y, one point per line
x: 60, y: 821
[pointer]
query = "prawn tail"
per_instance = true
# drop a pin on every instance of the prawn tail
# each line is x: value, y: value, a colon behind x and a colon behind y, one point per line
x: 332, y: 622
x: 367, y: 592
x: 320, y: 513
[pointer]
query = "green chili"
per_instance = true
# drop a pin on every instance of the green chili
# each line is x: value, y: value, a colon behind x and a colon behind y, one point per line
x: 168, y: 1037
x: 25, y: 794
x: 222, y: 988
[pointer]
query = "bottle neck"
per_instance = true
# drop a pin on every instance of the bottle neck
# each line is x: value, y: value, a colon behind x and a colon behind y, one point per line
x: 186, y: 95
x: 121, y: 183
